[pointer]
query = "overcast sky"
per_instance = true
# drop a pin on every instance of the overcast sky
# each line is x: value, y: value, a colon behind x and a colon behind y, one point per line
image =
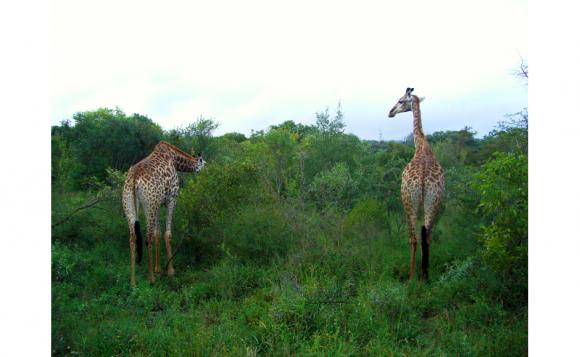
x: 251, y: 64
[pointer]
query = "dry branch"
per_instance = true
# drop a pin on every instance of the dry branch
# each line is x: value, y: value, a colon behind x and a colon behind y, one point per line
x: 89, y: 204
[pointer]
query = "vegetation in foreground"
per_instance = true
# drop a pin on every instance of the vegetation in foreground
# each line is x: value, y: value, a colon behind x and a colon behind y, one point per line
x: 291, y: 241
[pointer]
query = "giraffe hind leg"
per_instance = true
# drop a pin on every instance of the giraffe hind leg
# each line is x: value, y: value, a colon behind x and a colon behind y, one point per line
x: 167, y: 236
x: 432, y: 205
x: 131, y: 210
x: 411, y: 199
x: 411, y: 219
x: 132, y: 240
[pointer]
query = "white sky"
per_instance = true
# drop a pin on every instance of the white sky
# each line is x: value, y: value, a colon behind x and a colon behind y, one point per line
x: 251, y: 64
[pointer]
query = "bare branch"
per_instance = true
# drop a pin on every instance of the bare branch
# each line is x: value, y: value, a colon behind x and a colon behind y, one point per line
x: 523, y: 70
x: 89, y: 204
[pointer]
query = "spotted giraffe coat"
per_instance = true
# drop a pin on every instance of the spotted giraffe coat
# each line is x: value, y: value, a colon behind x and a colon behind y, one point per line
x: 151, y: 183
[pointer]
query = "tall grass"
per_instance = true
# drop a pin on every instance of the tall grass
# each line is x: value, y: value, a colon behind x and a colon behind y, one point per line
x: 279, y: 280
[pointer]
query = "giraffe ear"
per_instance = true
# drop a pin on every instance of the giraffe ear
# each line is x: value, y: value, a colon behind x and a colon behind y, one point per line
x: 421, y: 99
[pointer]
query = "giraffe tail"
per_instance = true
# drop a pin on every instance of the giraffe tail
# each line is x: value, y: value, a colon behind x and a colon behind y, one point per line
x: 137, y: 226
x: 139, y: 241
x: 424, y: 249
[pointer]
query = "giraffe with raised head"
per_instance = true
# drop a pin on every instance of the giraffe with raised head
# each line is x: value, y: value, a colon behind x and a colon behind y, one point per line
x: 151, y: 183
x: 423, y: 184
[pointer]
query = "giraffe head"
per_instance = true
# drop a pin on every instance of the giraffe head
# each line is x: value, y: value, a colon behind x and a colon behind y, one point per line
x: 200, y: 163
x: 404, y: 104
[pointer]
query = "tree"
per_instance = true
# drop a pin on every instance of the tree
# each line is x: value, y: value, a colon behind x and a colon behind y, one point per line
x: 300, y: 130
x: 327, y: 126
x: 107, y: 138
x: 195, y: 137
x: 502, y: 185
x: 236, y: 137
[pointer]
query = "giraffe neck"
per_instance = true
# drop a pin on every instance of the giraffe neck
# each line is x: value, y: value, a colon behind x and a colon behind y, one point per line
x: 418, y: 136
x: 182, y: 161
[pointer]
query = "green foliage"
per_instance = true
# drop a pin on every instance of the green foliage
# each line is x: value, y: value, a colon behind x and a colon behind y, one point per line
x: 217, y: 191
x: 278, y: 160
x: 63, y: 261
x: 368, y: 218
x: 328, y: 146
x: 299, y: 131
x: 510, y: 136
x: 195, y: 138
x: 257, y: 234
x: 327, y: 126
x: 236, y: 137
x: 455, y: 148
x: 289, y: 242
x: 382, y: 176
x: 334, y: 188
x: 101, y: 139
x: 503, y: 187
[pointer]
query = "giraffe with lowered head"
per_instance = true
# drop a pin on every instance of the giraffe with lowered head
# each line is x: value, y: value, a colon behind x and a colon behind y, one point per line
x: 151, y: 183
x: 423, y: 184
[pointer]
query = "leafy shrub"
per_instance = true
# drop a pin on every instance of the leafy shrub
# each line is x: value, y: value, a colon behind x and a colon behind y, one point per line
x: 503, y: 187
x: 367, y: 218
x: 63, y: 262
x: 333, y: 188
x: 217, y: 190
x: 257, y: 234
x: 457, y: 270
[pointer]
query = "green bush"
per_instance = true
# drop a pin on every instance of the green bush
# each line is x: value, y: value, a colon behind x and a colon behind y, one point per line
x: 334, y: 188
x: 218, y: 190
x: 503, y: 188
x: 257, y: 234
x: 63, y: 261
x: 367, y: 219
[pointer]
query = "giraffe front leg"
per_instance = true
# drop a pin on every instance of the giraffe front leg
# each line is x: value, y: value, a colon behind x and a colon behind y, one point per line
x: 152, y: 227
x: 167, y: 235
x: 170, y: 270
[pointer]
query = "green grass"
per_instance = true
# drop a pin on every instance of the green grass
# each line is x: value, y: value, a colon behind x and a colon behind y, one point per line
x: 326, y: 291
